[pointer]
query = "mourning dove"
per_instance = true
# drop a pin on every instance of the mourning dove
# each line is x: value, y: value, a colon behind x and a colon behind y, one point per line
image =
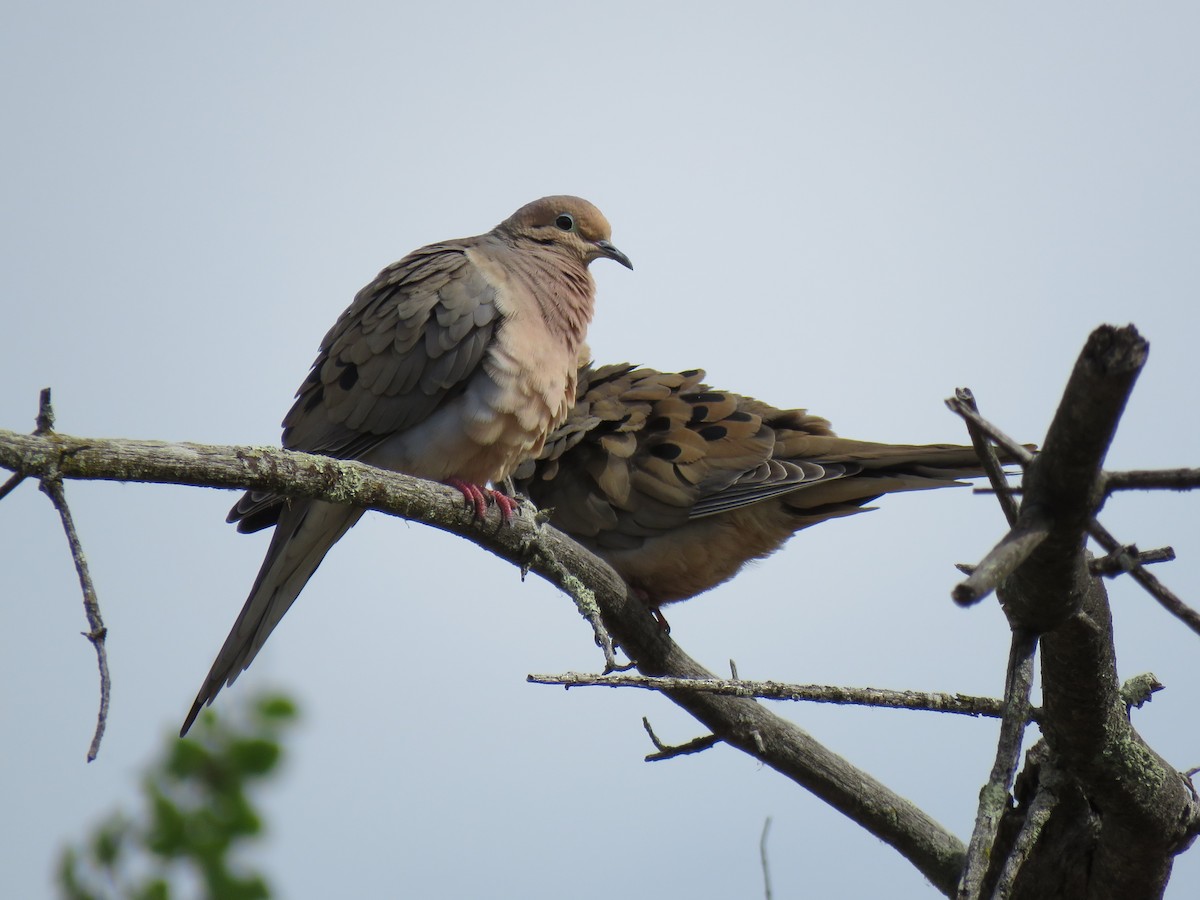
x: 452, y: 365
x: 677, y: 486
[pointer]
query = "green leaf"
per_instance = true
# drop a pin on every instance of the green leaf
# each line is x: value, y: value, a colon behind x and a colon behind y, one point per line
x: 196, y: 813
x: 255, y: 757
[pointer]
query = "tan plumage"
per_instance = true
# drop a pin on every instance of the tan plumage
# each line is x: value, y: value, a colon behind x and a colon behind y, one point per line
x: 677, y: 486
x: 452, y: 365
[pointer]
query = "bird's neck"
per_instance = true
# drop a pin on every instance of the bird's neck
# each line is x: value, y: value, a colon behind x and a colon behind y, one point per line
x: 564, y: 290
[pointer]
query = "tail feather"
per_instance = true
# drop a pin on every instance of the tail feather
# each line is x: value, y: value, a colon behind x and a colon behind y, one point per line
x: 896, y: 469
x: 306, y: 530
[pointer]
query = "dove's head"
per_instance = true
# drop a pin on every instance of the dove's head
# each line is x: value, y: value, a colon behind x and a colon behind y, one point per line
x: 570, y: 224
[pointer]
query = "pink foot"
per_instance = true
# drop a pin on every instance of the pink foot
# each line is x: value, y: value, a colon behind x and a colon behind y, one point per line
x: 472, y: 494
x: 506, y: 504
x: 478, y: 497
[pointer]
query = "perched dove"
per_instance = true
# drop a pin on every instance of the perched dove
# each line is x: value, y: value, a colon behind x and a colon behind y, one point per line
x: 452, y: 365
x: 677, y: 486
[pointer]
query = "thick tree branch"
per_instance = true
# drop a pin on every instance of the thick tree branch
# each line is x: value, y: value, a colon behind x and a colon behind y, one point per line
x: 1062, y: 483
x: 1122, y: 807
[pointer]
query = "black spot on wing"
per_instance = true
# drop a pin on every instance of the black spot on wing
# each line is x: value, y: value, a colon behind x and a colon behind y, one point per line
x: 608, y: 426
x: 661, y: 423
x: 713, y: 432
x: 314, y: 399
x: 666, y: 451
x: 349, y: 377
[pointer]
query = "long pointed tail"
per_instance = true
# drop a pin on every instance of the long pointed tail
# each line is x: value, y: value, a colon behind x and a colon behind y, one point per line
x: 875, y: 469
x: 304, y: 534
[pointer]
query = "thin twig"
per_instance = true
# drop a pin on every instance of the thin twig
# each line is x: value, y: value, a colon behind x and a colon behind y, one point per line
x: 1018, y: 544
x: 13, y: 481
x: 762, y: 855
x: 585, y: 604
x: 666, y: 751
x: 697, y: 745
x: 957, y: 704
x: 653, y: 737
x: 1159, y: 591
x: 993, y: 797
x: 580, y: 594
x: 52, y: 486
x: 987, y: 455
x: 1117, y: 563
x: 1152, y: 479
x: 1019, y: 452
x: 91, y: 607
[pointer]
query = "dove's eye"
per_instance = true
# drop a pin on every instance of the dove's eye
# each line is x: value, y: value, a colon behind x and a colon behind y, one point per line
x: 565, y: 222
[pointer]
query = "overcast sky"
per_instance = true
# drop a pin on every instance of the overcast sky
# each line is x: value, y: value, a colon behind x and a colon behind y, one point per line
x: 853, y: 211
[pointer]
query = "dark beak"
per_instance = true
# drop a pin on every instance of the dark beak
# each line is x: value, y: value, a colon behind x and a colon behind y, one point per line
x: 607, y: 249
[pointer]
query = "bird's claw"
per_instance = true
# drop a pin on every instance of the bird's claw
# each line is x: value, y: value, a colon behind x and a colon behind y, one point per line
x: 477, y: 498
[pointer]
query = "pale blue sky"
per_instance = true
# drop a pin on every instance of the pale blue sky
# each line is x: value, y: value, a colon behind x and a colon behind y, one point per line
x: 851, y: 210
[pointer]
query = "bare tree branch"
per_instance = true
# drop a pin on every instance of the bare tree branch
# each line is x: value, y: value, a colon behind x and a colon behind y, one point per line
x: 52, y: 487
x: 967, y: 409
x: 668, y: 751
x: 12, y: 482
x: 739, y: 721
x: 1112, y: 564
x: 1140, y: 809
x: 1152, y: 479
x: 1159, y: 591
x: 994, y: 796
x: 1119, y: 561
x: 959, y: 704
x: 1035, y: 820
x: 987, y: 455
x: 1001, y: 561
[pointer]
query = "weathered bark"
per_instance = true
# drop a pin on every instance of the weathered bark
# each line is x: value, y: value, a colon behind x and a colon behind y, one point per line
x: 1121, y: 812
